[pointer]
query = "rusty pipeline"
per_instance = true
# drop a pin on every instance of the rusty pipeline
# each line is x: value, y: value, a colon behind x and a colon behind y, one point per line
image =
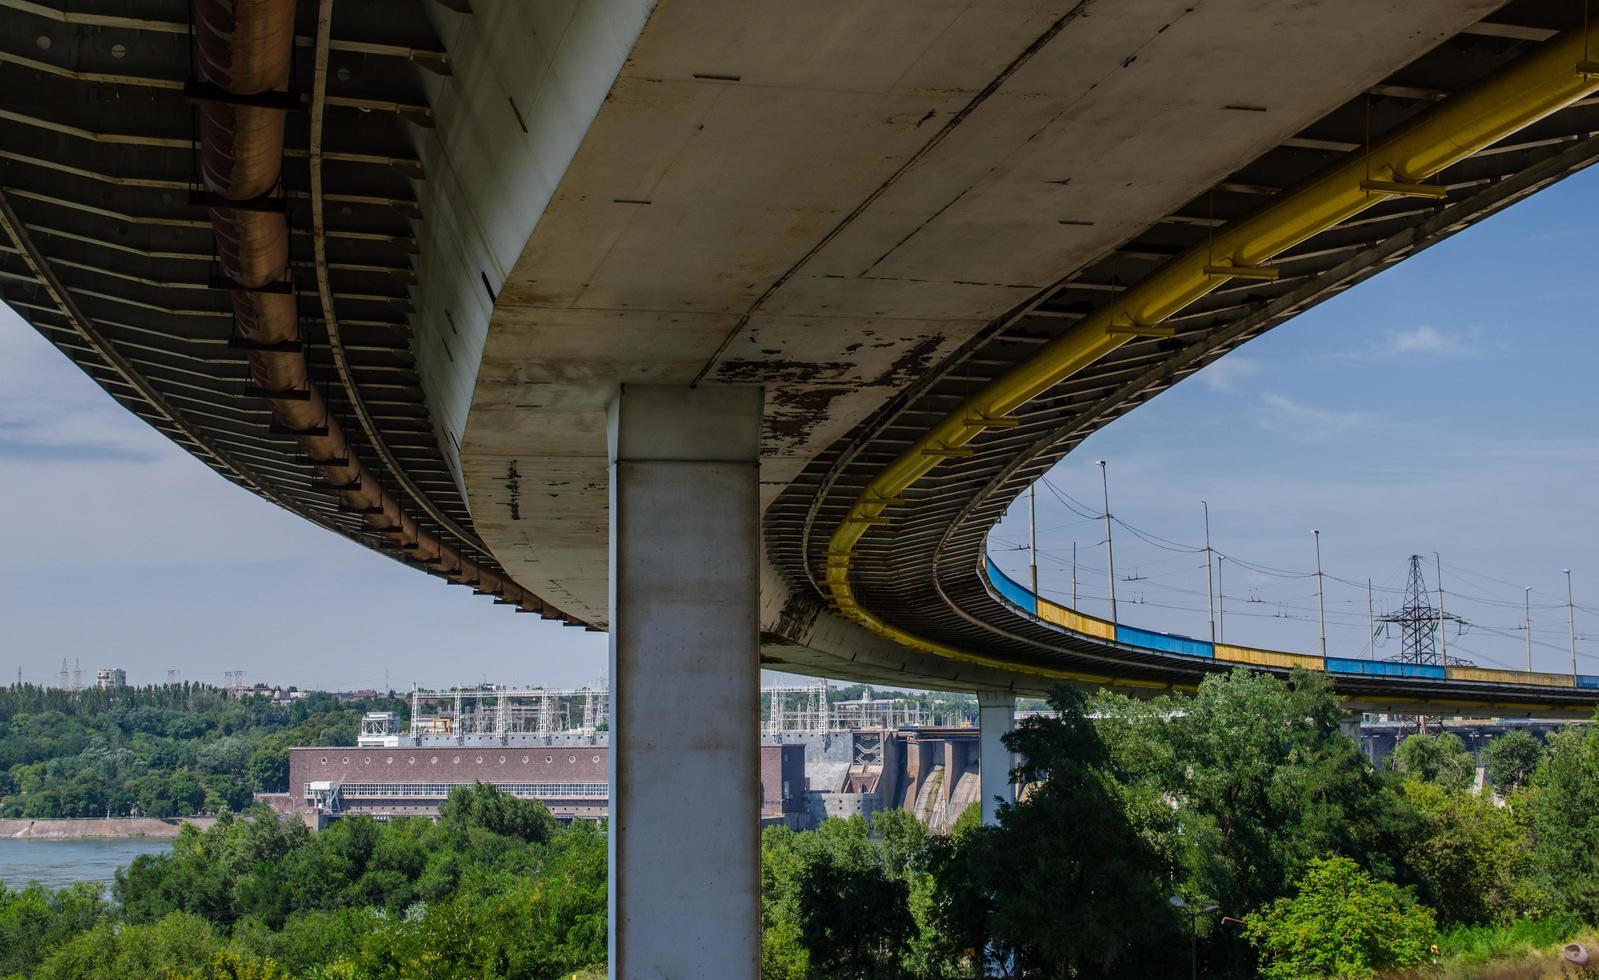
x: 246, y: 48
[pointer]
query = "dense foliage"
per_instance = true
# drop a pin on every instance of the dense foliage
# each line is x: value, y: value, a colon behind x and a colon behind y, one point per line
x: 494, y: 888
x: 1341, y: 923
x: 1247, y: 797
x: 1441, y: 759
x: 1291, y: 854
x: 166, y: 751
x: 1510, y: 760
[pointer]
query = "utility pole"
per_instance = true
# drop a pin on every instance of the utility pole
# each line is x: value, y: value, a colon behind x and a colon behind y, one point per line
x: 1210, y: 588
x: 1221, y: 596
x: 1074, y: 574
x: 1110, y: 551
x: 1321, y: 603
x: 1571, y: 621
x: 1443, y: 641
x: 1371, y: 625
x: 1032, y: 536
x: 1526, y: 602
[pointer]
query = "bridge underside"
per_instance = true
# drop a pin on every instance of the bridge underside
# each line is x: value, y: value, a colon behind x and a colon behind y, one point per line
x: 497, y: 218
x: 502, y: 287
x: 873, y: 239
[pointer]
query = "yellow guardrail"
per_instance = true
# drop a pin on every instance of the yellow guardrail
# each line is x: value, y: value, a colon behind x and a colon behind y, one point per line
x: 1491, y: 675
x: 1551, y: 78
x: 1075, y: 621
x: 1268, y: 658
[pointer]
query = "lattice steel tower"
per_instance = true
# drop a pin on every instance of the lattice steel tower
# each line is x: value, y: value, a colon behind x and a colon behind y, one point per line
x: 1419, y: 622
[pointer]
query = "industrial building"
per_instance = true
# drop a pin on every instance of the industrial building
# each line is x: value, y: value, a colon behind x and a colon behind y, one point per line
x: 818, y: 759
x: 544, y: 744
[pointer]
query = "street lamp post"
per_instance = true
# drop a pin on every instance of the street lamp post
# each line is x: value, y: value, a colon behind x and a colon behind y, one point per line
x: 1321, y: 603
x: 1193, y: 932
x: 1110, y: 551
x: 1032, y: 537
x: 1210, y: 587
x: 1526, y: 603
x: 1221, y: 603
x: 1571, y: 621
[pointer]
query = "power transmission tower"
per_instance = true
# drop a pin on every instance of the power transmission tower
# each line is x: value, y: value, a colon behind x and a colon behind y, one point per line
x: 1420, y: 623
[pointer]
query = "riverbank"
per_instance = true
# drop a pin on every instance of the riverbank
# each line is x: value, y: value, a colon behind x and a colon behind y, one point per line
x: 116, y: 828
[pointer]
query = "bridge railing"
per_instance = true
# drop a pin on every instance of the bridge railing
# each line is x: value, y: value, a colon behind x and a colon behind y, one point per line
x: 1026, y: 602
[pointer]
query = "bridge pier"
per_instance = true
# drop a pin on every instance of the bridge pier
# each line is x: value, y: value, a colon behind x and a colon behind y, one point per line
x: 685, y: 682
x: 996, y: 716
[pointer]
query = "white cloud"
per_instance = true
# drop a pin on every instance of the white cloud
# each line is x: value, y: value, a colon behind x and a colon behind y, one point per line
x: 1226, y: 372
x: 1281, y: 414
x: 1426, y: 339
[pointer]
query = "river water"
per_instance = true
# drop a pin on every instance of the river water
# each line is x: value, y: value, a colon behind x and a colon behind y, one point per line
x: 57, y: 863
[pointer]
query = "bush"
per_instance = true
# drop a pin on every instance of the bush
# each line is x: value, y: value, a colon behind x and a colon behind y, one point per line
x: 1510, y: 760
x: 180, y: 944
x: 1441, y: 759
x: 1564, y: 808
x: 1342, y: 924
x: 1473, y: 856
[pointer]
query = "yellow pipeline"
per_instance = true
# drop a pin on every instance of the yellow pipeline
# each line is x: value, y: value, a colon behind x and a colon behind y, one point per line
x: 1550, y: 79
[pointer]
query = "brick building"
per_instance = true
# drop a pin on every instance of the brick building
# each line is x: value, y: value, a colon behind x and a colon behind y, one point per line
x: 569, y: 773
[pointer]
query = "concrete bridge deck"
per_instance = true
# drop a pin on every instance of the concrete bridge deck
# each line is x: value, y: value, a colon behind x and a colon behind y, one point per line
x: 730, y: 325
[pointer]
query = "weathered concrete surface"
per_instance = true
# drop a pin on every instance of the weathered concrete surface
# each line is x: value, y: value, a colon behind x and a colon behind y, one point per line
x: 827, y: 199
x: 996, y: 716
x: 685, y: 683
x: 93, y: 828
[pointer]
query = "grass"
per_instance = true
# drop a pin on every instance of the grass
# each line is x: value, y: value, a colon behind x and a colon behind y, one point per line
x: 1526, y: 949
x: 1475, y: 945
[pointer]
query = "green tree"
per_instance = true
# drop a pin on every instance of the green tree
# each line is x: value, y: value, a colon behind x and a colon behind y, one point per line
x: 481, y: 805
x: 34, y: 921
x: 1563, y: 805
x: 1473, y: 856
x: 1343, y: 923
x: 1064, y: 885
x: 1263, y: 781
x: 1442, y: 759
x: 1510, y: 760
x: 178, y: 945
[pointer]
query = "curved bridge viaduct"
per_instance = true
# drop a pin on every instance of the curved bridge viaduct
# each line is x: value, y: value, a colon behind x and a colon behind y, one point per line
x: 732, y: 327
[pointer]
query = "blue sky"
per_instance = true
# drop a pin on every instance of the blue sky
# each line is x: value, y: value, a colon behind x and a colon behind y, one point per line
x: 1445, y: 406
x: 123, y: 550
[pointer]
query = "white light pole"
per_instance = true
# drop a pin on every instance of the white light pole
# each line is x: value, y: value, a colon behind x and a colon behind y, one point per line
x: 1032, y: 536
x: 1110, y: 551
x: 1210, y: 587
x: 1526, y: 601
x: 1371, y: 624
x: 1221, y: 598
x: 1571, y: 621
x: 1443, y: 641
x: 1321, y: 603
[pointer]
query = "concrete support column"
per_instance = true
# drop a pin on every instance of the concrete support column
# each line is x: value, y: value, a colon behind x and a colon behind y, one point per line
x: 685, y: 683
x: 1350, y: 725
x: 996, y: 716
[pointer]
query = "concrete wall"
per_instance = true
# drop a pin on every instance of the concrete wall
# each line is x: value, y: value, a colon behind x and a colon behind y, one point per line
x: 528, y: 79
x: 94, y: 828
